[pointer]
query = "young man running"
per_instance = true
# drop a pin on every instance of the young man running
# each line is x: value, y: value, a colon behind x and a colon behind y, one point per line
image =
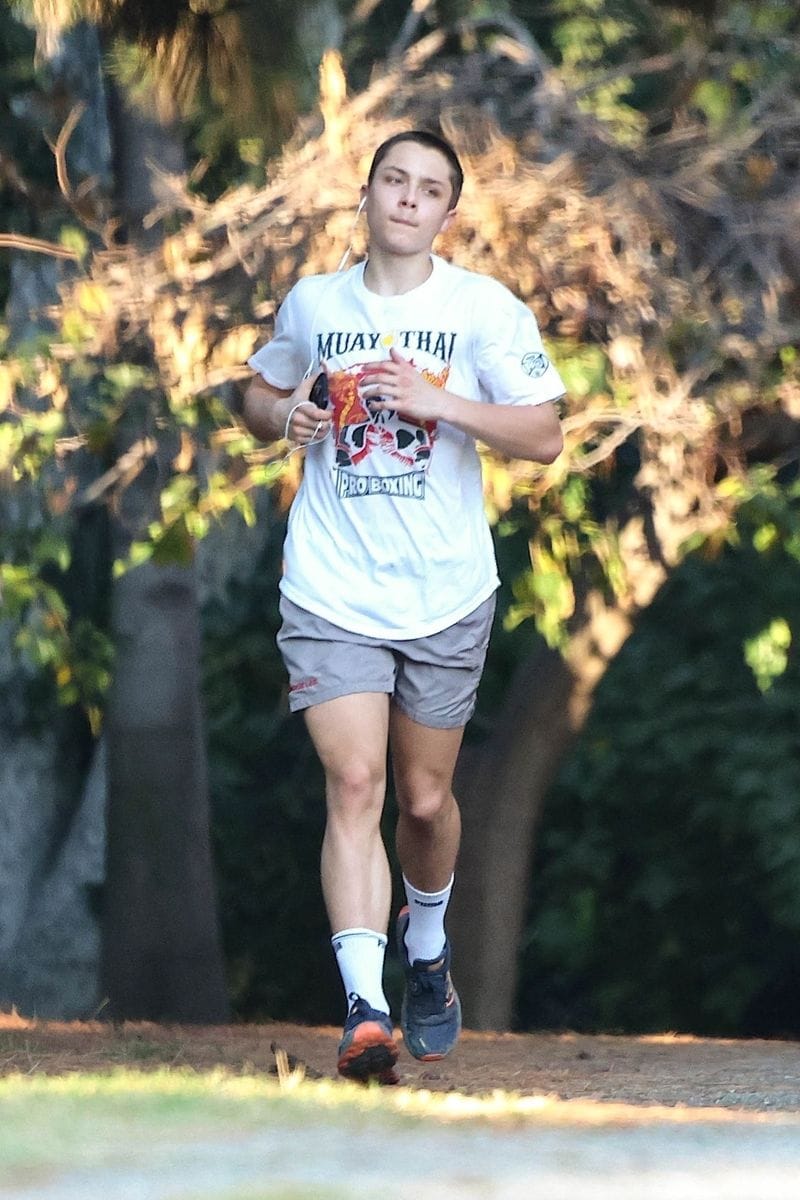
x: 389, y: 578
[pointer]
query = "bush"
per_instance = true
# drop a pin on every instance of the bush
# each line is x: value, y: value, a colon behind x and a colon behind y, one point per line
x: 666, y: 892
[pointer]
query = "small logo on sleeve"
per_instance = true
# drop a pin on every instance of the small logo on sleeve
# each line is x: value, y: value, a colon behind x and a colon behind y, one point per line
x: 535, y: 364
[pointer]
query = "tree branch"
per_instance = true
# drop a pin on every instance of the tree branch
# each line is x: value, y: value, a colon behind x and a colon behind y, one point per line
x: 19, y: 241
x: 77, y: 200
x: 127, y: 466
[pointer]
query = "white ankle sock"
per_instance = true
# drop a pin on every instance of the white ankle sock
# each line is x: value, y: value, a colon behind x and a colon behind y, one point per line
x: 359, y: 956
x: 425, y: 935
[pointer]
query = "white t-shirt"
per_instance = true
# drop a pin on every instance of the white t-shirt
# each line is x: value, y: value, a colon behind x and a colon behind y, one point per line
x: 387, y: 535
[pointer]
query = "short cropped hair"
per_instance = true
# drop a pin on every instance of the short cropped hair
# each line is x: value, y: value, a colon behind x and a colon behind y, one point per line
x: 434, y: 142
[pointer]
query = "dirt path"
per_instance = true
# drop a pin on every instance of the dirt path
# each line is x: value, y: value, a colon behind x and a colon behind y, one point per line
x: 616, y: 1118
x: 752, y: 1076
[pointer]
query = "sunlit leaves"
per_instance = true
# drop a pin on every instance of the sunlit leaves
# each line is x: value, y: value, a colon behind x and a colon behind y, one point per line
x: 716, y: 100
x: 92, y: 298
x: 573, y: 499
x: 6, y: 386
x: 29, y: 441
x: 583, y: 367
x: 544, y: 593
x: 124, y: 377
x: 768, y: 512
x: 76, y: 328
x: 769, y: 519
x: 72, y: 237
x: 587, y: 35
x: 766, y: 653
x: 568, y: 543
x: 77, y: 656
x: 187, y: 509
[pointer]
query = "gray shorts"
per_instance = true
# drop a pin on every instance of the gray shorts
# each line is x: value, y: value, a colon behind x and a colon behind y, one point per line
x: 433, y: 680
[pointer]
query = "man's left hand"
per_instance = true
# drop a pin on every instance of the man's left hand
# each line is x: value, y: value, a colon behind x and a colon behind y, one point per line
x: 399, y: 387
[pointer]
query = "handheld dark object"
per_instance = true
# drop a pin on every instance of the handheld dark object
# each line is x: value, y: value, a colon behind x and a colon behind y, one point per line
x: 319, y: 393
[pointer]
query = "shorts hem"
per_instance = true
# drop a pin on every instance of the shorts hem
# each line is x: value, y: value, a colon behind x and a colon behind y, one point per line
x: 430, y: 722
x: 298, y: 701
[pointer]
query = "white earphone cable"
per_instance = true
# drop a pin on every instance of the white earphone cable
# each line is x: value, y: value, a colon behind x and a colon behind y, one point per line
x: 343, y: 260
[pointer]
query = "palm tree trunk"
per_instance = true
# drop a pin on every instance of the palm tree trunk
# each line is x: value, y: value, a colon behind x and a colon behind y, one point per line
x: 161, y: 951
x: 162, y: 956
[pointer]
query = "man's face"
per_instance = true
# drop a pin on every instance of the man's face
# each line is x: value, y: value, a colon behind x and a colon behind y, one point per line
x: 408, y: 201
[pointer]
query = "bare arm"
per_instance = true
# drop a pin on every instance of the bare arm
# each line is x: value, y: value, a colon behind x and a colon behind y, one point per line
x: 266, y: 410
x: 527, y: 431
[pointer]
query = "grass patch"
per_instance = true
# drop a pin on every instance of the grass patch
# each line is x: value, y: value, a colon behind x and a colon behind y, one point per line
x: 96, y: 1123
x: 182, y: 1092
x: 216, y: 1135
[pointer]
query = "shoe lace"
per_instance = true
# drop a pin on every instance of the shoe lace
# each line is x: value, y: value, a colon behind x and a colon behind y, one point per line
x: 429, y: 991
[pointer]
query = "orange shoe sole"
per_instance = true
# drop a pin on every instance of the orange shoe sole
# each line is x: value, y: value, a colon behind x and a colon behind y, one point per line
x: 371, y: 1054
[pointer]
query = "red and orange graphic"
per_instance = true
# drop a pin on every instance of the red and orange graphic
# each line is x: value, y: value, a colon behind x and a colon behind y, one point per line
x: 359, y: 432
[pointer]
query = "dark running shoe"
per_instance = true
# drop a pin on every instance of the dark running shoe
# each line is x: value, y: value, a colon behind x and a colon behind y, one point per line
x: 431, y: 1013
x: 367, y: 1049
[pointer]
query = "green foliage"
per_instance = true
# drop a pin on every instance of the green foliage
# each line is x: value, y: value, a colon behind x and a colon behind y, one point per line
x: 237, y: 75
x: 769, y: 513
x: 56, y: 640
x: 716, y: 99
x: 666, y: 892
x: 583, y: 367
x: 723, y: 54
x: 766, y: 652
x: 53, y: 641
x: 568, y: 542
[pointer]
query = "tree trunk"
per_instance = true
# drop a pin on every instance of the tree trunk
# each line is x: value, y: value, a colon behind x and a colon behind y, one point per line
x: 161, y: 954
x: 501, y: 786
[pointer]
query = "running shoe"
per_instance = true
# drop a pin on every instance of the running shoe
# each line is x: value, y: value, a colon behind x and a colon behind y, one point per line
x: 367, y: 1049
x: 430, y: 1017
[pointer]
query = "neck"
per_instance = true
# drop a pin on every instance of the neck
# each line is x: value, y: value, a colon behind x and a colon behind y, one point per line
x: 388, y: 275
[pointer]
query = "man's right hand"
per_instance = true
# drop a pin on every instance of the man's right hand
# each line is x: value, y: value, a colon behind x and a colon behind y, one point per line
x: 267, y: 410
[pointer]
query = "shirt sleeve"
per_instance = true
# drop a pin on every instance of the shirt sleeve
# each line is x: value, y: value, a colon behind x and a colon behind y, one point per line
x: 511, y: 362
x: 283, y: 361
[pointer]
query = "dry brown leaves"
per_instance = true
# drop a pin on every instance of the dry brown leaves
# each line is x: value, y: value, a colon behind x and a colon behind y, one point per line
x: 671, y: 257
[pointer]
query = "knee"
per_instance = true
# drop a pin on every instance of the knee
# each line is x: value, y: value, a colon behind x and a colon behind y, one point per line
x: 425, y: 800
x: 355, y: 788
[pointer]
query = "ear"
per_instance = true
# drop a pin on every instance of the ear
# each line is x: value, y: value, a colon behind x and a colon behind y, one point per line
x: 448, y: 221
x: 364, y: 194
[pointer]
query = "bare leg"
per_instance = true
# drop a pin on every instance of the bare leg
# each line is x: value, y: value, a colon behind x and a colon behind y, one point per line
x: 429, y: 822
x: 350, y: 737
x: 428, y: 835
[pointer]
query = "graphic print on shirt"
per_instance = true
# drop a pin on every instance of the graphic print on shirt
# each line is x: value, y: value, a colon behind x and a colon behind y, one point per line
x: 379, y: 453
